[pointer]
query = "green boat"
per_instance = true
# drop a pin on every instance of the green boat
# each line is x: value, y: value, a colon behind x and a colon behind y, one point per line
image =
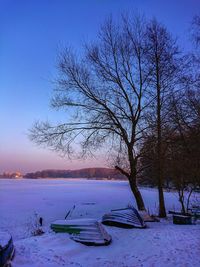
x: 74, y: 226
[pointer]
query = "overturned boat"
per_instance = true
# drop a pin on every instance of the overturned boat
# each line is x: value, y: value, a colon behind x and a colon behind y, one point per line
x: 6, y: 249
x: 125, y: 218
x: 97, y: 237
x: 86, y: 231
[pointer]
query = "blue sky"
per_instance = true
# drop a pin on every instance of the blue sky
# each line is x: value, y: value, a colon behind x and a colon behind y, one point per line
x: 31, y: 32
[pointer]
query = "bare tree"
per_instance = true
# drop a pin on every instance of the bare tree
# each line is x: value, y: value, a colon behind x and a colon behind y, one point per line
x: 183, y: 153
x: 104, y: 92
x: 163, y: 64
x: 186, y: 119
x: 183, y: 161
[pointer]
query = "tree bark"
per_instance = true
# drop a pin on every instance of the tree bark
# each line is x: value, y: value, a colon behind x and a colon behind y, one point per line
x: 162, y: 210
x: 134, y: 188
x: 137, y: 195
x: 181, y: 200
x: 188, y: 199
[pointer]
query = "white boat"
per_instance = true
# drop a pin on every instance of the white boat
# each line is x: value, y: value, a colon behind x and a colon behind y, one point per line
x: 99, y: 237
x: 125, y: 218
x: 86, y: 231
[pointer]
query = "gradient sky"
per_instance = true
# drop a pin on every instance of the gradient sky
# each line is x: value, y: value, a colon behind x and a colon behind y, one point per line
x: 31, y: 32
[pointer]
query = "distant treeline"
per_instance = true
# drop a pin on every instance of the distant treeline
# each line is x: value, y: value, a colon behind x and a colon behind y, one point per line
x: 10, y: 175
x: 90, y: 173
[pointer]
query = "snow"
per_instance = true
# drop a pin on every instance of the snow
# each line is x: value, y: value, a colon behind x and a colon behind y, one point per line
x: 161, y: 244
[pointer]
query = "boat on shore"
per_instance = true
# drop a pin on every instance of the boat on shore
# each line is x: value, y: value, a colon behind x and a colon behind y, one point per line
x: 86, y: 231
x: 73, y: 226
x: 124, y: 218
x: 6, y: 249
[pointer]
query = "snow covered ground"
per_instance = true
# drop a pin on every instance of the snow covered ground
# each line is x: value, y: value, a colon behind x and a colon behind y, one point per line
x: 161, y: 244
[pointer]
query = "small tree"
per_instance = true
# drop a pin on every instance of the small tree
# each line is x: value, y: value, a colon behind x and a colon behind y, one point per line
x: 184, y: 145
x: 183, y: 151
x: 183, y: 163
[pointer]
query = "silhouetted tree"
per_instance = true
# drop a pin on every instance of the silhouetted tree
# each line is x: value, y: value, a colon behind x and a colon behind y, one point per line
x: 163, y: 61
x: 105, y: 94
x: 184, y: 146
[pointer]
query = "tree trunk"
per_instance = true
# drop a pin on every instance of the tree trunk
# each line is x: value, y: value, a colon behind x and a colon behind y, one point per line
x: 137, y: 194
x: 133, y: 177
x: 133, y: 185
x: 162, y: 211
x: 188, y: 199
x: 181, y: 200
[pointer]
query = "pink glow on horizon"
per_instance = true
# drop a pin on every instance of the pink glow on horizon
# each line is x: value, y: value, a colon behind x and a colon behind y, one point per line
x: 25, y: 162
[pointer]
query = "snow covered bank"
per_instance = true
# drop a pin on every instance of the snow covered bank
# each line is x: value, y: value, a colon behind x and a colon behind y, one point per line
x: 161, y: 244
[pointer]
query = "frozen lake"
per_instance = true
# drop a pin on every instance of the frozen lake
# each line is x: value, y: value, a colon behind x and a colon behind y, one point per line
x: 161, y: 244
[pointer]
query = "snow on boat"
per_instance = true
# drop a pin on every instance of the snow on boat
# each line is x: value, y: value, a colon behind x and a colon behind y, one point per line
x: 86, y: 231
x: 73, y: 226
x: 99, y: 237
x: 6, y: 248
x: 125, y: 218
